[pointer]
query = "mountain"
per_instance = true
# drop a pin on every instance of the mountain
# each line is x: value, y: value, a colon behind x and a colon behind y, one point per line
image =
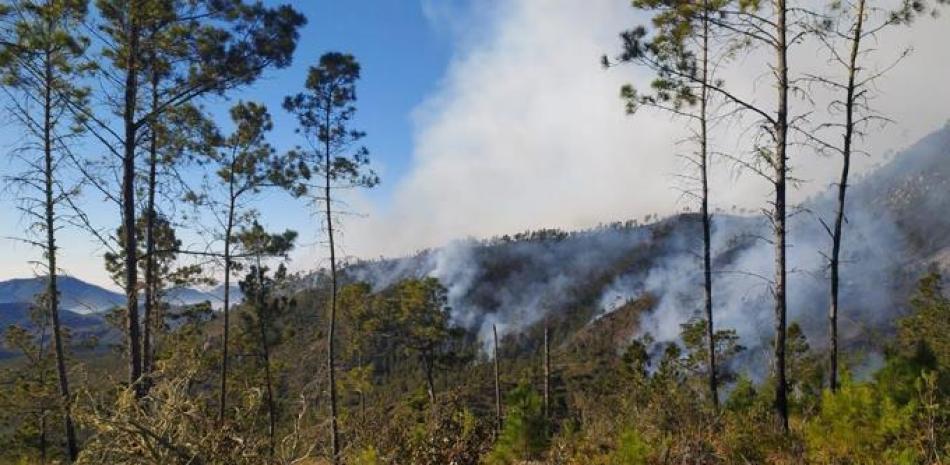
x: 191, y: 296
x: 81, y: 297
x: 896, y: 231
x: 82, y: 327
x: 75, y: 295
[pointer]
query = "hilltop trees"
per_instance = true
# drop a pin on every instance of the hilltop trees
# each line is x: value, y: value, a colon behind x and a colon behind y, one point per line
x: 331, y: 160
x: 42, y: 61
x: 216, y: 46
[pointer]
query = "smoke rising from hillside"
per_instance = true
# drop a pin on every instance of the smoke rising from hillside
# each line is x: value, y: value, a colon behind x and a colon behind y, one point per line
x: 516, y: 283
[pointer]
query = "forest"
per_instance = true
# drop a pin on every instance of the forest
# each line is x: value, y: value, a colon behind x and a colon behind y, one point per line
x: 812, y: 332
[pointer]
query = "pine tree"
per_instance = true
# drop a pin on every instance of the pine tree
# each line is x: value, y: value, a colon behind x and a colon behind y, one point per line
x: 41, y: 63
x: 216, y: 46
x: 744, y: 25
x: 332, y: 160
x: 261, y: 291
x: 245, y: 164
x: 683, y: 79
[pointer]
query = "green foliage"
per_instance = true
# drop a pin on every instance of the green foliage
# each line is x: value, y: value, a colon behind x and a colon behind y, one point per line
x: 631, y: 449
x: 366, y: 456
x: 324, y: 112
x: 860, y: 424
x: 926, y: 329
x: 30, y: 413
x: 524, y: 435
x: 693, y: 334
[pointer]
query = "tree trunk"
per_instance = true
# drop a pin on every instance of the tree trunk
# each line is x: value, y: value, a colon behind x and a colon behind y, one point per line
x: 498, y: 418
x: 842, y: 190
x: 547, y: 374
x: 223, y: 394
x: 429, y: 367
x: 707, y: 254
x: 331, y: 333
x: 128, y: 202
x: 779, y: 217
x: 52, y: 289
x: 265, y: 349
x: 43, y: 454
x: 148, y: 356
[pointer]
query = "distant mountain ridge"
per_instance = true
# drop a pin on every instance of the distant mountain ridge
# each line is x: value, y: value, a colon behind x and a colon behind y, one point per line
x: 81, y: 297
x: 75, y: 294
x: 191, y: 296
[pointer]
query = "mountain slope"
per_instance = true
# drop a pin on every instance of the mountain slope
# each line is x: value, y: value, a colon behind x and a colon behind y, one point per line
x: 82, y: 327
x: 75, y: 295
x: 896, y: 228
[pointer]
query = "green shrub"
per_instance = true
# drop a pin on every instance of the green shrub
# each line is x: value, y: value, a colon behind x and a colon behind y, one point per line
x: 524, y: 435
x: 631, y: 449
x: 859, y: 425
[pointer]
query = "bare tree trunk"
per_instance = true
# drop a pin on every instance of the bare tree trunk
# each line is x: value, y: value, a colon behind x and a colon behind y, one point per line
x: 707, y: 254
x: 223, y: 394
x: 547, y: 374
x: 331, y: 333
x: 128, y: 201
x: 498, y: 418
x: 842, y: 190
x: 150, y: 285
x: 43, y: 454
x: 265, y: 349
x: 779, y: 216
x: 429, y: 366
x: 52, y: 289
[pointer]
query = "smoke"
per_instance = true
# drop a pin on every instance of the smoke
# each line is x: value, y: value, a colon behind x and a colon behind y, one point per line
x: 743, y: 280
x: 515, y: 282
x: 525, y: 130
x: 891, y: 235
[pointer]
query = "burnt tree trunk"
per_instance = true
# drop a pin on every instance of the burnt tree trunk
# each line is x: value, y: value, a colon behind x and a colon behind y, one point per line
x: 704, y: 175
x: 842, y: 191
x: 498, y: 417
x: 779, y: 215
x: 331, y: 333
x: 52, y: 288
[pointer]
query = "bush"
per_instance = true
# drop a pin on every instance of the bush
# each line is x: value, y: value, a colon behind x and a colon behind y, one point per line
x: 859, y: 425
x: 524, y: 435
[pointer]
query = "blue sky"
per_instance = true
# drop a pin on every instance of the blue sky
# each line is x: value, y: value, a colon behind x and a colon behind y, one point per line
x: 403, y: 55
